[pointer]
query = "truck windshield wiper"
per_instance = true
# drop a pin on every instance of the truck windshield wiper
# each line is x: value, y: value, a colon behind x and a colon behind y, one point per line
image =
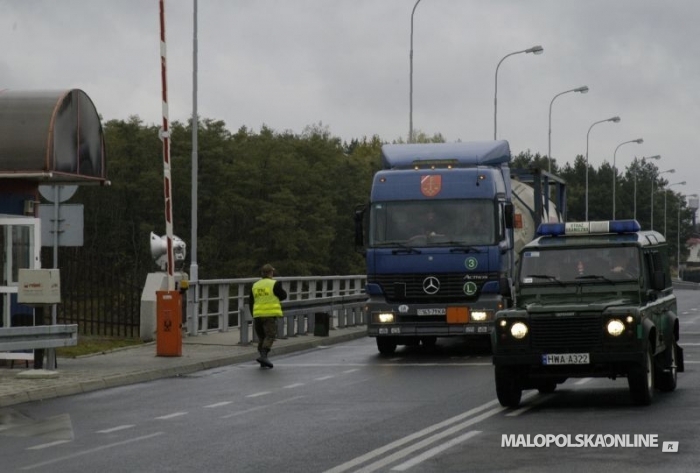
x: 546, y: 276
x: 463, y: 248
x: 595, y: 276
x: 404, y: 247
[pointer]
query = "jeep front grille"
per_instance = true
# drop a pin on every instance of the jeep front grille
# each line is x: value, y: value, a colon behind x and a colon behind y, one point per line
x: 566, y: 334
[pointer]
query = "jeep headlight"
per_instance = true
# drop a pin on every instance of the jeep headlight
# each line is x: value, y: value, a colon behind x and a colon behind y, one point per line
x: 480, y: 315
x: 615, y: 327
x: 385, y: 317
x: 518, y: 330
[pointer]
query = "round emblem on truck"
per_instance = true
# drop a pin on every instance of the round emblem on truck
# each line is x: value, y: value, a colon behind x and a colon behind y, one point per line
x: 470, y: 288
x: 431, y: 285
x: 471, y: 263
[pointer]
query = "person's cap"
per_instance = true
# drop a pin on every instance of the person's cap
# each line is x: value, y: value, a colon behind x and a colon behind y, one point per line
x: 267, y: 269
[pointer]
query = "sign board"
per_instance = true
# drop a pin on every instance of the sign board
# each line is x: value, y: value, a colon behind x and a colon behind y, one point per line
x: 39, y: 286
x: 51, y: 192
x: 70, y: 224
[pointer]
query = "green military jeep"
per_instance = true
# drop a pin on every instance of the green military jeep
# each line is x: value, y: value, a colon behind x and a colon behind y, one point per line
x: 592, y: 299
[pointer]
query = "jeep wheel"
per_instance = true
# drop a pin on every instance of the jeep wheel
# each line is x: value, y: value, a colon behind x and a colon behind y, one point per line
x: 667, y: 369
x: 546, y: 387
x: 428, y: 342
x: 641, y: 381
x: 508, y: 387
x: 386, y: 345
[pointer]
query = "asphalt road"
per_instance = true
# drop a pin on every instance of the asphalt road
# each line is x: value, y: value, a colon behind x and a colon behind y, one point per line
x: 345, y: 408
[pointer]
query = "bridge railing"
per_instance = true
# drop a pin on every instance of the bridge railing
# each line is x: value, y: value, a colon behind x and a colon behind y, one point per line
x: 222, y: 305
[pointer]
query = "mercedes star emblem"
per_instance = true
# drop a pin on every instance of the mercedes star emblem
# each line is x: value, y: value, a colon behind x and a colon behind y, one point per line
x: 431, y: 285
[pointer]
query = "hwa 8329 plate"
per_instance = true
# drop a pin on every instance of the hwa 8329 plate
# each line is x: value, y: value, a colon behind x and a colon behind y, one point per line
x: 566, y: 359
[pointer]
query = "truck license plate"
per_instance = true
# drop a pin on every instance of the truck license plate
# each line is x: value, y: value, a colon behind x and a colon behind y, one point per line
x: 441, y: 311
x: 566, y: 359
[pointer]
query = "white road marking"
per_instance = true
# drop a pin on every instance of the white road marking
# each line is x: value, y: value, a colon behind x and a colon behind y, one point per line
x: 234, y: 414
x: 47, y: 445
x: 351, y: 371
x: 323, y: 378
x: 421, y: 433
x: 583, y: 380
x: 690, y: 344
x: 290, y: 386
x: 536, y: 402
x: 115, y: 429
x: 172, y: 416
x: 434, y: 451
x: 92, y: 450
x: 262, y: 393
x: 218, y: 404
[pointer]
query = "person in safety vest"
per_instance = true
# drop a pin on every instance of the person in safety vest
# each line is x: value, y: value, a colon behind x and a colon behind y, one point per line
x: 265, y: 297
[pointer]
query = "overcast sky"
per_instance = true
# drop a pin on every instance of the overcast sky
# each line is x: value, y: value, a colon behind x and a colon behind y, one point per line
x: 345, y: 63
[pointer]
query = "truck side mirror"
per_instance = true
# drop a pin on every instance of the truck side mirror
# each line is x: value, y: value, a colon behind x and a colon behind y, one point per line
x: 359, y: 228
x: 508, y: 215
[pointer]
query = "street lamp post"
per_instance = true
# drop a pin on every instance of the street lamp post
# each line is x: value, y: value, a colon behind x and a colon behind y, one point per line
x: 612, y: 119
x: 670, y: 171
x: 657, y: 157
x: 638, y: 141
x: 682, y: 183
x: 678, y: 234
x: 583, y: 89
x: 410, y: 81
x: 535, y: 50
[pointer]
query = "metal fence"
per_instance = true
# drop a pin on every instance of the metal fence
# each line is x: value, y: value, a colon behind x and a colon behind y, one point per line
x: 222, y: 305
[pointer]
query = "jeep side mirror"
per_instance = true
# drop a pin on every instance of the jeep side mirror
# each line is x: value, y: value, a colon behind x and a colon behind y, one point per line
x: 659, y: 281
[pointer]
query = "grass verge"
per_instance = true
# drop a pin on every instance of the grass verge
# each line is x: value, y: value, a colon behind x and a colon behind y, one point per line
x: 88, y: 345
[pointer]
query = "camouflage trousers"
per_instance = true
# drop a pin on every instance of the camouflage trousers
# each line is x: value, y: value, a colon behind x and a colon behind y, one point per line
x: 266, y: 330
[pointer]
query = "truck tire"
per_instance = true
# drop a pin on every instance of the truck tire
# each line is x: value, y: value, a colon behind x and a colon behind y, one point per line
x: 386, y: 345
x: 667, y: 369
x: 641, y: 381
x: 508, y: 388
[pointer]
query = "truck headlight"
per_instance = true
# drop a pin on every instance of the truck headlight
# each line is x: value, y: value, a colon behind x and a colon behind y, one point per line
x: 385, y: 317
x: 480, y: 315
x: 615, y: 327
x: 518, y: 330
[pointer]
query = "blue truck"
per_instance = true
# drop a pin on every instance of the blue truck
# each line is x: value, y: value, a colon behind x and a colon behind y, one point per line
x: 440, y: 236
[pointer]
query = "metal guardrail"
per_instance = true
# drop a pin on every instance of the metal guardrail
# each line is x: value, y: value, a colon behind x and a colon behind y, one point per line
x: 41, y: 336
x: 221, y: 305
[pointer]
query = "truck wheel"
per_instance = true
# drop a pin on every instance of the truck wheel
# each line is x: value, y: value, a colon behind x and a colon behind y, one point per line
x: 666, y: 374
x: 508, y: 388
x: 428, y: 342
x: 641, y: 381
x: 386, y: 345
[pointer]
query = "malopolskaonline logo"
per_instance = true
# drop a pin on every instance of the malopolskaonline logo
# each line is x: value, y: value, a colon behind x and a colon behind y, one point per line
x: 585, y: 441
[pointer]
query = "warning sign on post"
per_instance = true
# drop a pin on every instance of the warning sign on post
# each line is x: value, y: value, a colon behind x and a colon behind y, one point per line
x: 39, y: 286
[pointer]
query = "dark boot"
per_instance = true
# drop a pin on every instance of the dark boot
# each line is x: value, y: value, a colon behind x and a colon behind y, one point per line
x: 264, y: 362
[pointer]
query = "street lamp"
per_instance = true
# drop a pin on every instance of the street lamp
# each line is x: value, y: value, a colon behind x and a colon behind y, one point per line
x: 614, y: 120
x: 535, y: 50
x: 638, y: 141
x: 670, y: 171
x: 678, y: 233
x: 657, y: 157
x: 583, y: 90
x: 410, y: 93
x: 682, y: 183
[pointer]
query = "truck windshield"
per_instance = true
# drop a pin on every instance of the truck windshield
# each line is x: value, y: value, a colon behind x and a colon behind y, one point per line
x: 569, y: 264
x: 433, y: 223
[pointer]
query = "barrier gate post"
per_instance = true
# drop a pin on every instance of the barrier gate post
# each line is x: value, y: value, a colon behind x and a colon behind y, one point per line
x: 169, y: 323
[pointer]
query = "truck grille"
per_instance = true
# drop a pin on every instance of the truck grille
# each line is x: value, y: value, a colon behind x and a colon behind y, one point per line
x: 409, y: 287
x: 566, y: 334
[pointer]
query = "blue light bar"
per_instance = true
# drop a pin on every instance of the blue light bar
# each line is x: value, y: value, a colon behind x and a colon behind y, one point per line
x: 588, y: 228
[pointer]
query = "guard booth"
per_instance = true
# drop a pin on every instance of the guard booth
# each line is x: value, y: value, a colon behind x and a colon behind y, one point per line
x: 47, y: 138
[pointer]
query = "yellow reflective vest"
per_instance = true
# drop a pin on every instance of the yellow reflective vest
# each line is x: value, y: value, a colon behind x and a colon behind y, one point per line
x: 266, y: 303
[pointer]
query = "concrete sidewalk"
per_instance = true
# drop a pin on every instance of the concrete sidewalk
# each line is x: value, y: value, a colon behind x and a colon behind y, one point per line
x: 139, y: 363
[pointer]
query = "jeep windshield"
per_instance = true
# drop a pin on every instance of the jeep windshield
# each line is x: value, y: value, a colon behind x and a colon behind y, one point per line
x: 574, y: 264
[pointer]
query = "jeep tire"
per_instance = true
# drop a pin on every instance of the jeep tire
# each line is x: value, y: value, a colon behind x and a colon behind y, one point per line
x: 641, y: 380
x: 508, y: 389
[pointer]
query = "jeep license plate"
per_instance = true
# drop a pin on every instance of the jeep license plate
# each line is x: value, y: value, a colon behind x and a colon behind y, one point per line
x: 566, y: 359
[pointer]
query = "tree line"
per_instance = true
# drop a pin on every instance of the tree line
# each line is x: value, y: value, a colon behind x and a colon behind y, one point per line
x: 289, y: 199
